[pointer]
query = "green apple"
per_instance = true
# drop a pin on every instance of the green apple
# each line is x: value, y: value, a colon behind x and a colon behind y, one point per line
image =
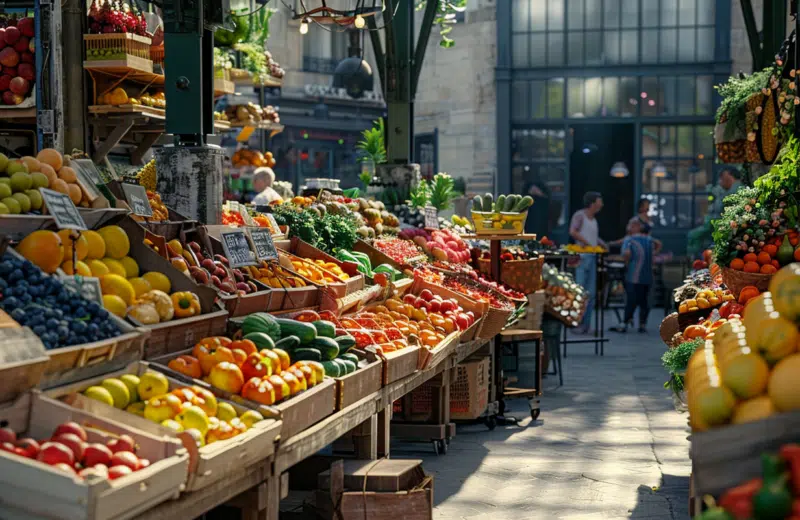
x: 119, y: 391
x: 152, y: 384
x: 16, y: 166
x: 24, y: 202
x: 99, y: 393
x: 12, y: 204
x: 4, y: 209
x: 5, y: 190
x: 193, y: 417
x: 21, y: 181
x: 132, y: 382
x: 3, y: 162
x: 250, y: 417
x: 226, y: 411
x: 6, y: 181
x: 35, y: 197
x: 39, y: 180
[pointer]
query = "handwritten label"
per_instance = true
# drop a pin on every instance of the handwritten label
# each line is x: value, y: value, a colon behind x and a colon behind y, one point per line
x: 237, y: 248
x: 63, y: 210
x: 88, y: 176
x: 276, y: 229
x: 19, y: 344
x: 431, y: 217
x: 137, y: 200
x: 263, y: 244
x: 88, y: 287
x: 248, y: 220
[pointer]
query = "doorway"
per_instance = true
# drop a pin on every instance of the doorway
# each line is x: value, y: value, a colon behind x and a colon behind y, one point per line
x: 596, y: 148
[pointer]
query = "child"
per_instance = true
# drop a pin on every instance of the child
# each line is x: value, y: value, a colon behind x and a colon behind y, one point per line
x: 638, y: 249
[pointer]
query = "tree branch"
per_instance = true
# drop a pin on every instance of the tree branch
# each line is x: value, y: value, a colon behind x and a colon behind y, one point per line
x: 377, y: 49
x: 752, y: 33
x: 431, y: 7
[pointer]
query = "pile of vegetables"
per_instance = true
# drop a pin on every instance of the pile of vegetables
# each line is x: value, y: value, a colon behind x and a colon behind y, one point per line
x: 675, y: 361
x: 328, y: 232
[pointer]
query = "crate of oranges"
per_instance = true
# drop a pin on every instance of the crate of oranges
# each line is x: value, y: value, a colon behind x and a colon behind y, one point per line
x: 346, y: 272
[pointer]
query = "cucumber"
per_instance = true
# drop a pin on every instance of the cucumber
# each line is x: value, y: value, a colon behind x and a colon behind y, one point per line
x: 501, y: 200
x: 525, y: 203
x: 487, y: 202
x: 350, y: 367
x: 327, y: 347
x: 306, y: 354
x: 288, y: 343
x: 511, y: 200
x: 324, y: 328
x: 261, y: 339
x: 306, y: 332
x: 331, y: 369
x: 345, y: 343
x: 477, y: 203
x: 349, y: 357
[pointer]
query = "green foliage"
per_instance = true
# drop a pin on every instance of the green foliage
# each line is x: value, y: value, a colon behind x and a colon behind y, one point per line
x: 676, y: 359
x: 372, y: 145
x: 328, y: 233
x: 420, y: 196
x: 259, y: 26
x: 782, y: 179
x: 734, y: 95
x: 222, y: 58
x: 253, y: 58
x: 301, y: 223
x: 365, y: 177
x: 445, y: 17
x: 442, y: 192
x: 741, y: 213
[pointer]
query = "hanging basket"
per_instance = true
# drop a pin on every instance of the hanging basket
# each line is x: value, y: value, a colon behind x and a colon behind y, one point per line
x: 738, y: 280
x: 737, y: 149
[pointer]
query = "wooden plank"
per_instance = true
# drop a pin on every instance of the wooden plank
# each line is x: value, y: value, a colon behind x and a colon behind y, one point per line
x: 365, y: 439
x: 522, y: 236
x: 145, y: 144
x: 112, y: 140
x: 18, y: 113
x: 384, y: 431
x: 385, y: 475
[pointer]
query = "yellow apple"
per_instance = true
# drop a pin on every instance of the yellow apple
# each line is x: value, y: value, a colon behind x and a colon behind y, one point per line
x: 193, y: 417
x: 159, y: 409
x: 250, y: 417
x: 172, y: 424
x: 225, y: 412
x: 152, y: 384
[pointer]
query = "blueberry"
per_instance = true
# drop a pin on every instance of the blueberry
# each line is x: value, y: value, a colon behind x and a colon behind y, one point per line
x: 36, y: 319
x: 52, y: 324
x: 93, y: 308
x: 26, y: 298
x: 15, y: 275
x: 10, y: 302
x: 92, y: 330
x: 6, y: 267
x: 63, y: 333
x: 58, y: 314
x: 79, y: 327
x: 3, y: 285
x: 40, y: 330
x: 102, y: 314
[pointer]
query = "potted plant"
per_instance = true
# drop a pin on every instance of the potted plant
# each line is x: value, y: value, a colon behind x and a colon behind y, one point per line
x: 373, y: 151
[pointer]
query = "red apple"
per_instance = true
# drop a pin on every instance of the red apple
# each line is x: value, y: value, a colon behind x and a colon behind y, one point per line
x: 143, y: 463
x: 116, y: 472
x: 7, y: 446
x: 3, y: 38
x: 122, y: 443
x: 26, y: 27
x: 462, y: 321
x: 21, y: 452
x: 27, y: 57
x: 71, y: 427
x: 426, y: 295
x: 21, y: 45
x: 19, y: 86
x: 9, y: 57
x: 95, y: 454
x: 125, y: 458
x: 54, y: 452
x: 410, y: 299
x: 30, y: 446
x: 74, y: 443
x: 12, y: 35
x: 5, y: 81
x: 8, y: 435
x: 26, y: 71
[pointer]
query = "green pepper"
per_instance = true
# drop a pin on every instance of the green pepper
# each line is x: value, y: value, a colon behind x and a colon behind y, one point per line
x: 363, y: 259
x: 774, y: 500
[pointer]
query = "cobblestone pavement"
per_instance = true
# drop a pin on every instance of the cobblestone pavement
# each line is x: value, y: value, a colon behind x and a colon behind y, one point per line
x: 607, y: 445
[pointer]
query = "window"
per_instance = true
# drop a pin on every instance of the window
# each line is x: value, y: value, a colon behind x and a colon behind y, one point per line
x: 323, y: 50
x: 677, y: 166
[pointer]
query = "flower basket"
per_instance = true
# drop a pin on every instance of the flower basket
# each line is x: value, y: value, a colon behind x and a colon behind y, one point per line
x: 736, y: 148
x: 521, y: 275
x: 738, y: 280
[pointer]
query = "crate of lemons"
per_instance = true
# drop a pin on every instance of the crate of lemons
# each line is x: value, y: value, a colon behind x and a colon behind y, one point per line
x: 748, y: 369
x: 191, y: 409
x: 104, y: 254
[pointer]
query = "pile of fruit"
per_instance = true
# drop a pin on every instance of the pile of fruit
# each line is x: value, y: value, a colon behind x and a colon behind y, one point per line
x: 190, y: 409
x: 503, y: 204
x: 114, y: 17
x: 20, y: 180
x: 319, y: 271
x: 581, y: 249
x: 246, y: 157
x: 748, y: 370
x: 205, y: 269
x: 17, y: 59
x: 118, y: 96
x: 706, y: 299
x: 251, y: 114
x: 565, y: 298
x: 771, y: 256
x: 275, y: 70
x: 275, y: 275
x: 509, y: 254
x: 401, y: 251
x: 444, y: 245
x: 69, y: 450
x: 56, y: 315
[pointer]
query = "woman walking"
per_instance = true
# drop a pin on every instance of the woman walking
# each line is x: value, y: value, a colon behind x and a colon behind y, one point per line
x: 638, y: 250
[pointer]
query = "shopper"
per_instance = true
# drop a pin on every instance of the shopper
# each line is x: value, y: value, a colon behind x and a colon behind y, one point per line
x: 585, y: 231
x: 638, y: 250
x: 640, y: 217
x: 262, y: 184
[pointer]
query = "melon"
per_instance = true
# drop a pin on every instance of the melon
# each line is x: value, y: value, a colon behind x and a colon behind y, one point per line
x: 117, y: 243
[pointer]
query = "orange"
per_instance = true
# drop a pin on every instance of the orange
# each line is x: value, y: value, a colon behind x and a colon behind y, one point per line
x: 768, y: 269
x: 750, y: 257
x: 75, y: 193
x: 770, y: 249
x: 32, y: 164
x: 797, y: 255
x: 776, y: 264
x: 43, y: 248
x: 60, y: 186
x: 751, y: 267
x: 748, y: 293
x: 69, y: 237
x: 737, y: 264
x: 50, y: 172
x: 764, y: 258
x: 50, y: 157
x: 68, y: 174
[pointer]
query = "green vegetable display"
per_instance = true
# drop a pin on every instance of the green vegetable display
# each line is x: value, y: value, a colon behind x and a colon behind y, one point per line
x: 329, y: 232
x: 504, y: 204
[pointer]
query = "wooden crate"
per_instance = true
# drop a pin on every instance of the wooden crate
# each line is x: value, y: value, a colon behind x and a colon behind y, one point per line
x: 377, y: 257
x: 24, y: 359
x: 32, y: 490
x: 306, y: 250
x: 725, y: 457
x: 365, y: 381
x: 398, y: 364
x: 207, y: 464
x: 249, y: 303
x: 176, y: 335
x: 116, y: 46
x: 430, y: 358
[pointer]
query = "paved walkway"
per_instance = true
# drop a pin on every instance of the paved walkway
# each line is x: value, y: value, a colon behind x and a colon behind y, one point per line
x: 608, y: 445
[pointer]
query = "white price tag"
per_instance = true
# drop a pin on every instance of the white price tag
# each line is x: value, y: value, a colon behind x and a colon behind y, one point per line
x: 63, y: 210
x: 88, y: 287
x: 431, y: 217
x: 137, y: 200
x: 237, y: 248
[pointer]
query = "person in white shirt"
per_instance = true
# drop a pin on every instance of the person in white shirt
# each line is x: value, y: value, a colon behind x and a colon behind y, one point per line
x: 262, y: 184
x: 584, y: 230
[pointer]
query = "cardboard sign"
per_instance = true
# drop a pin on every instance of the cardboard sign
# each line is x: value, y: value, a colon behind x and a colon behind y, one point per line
x: 19, y: 344
x: 237, y: 248
x: 431, y: 217
x: 137, y: 200
x: 263, y: 244
x: 88, y: 287
x: 88, y: 176
x: 60, y: 206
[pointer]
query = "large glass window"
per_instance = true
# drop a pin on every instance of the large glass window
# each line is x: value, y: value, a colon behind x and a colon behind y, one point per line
x: 550, y: 33
x: 677, y: 166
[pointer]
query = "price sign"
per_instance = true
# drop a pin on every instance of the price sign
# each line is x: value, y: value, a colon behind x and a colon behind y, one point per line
x: 263, y: 244
x: 63, y: 210
x: 248, y: 220
x: 431, y: 217
x: 137, y: 200
x: 237, y: 248
x: 88, y: 287
x: 276, y: 229
x: 88, y: 176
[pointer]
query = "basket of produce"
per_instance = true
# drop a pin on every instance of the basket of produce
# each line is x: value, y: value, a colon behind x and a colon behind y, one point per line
x: 517, y: 269
x: 736, y: 281
x: 506, y: 216
x: 128, y: 48
x: 566, y: 300
x: 157, y: 55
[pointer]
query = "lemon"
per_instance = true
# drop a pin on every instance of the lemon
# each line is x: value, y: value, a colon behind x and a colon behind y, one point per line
x: 140, y: 286
x: 753, y: 409
x: 97, y: 267
x: 158, y: 281
x: 115, y: 305
x: 784, y: 385
x: 97, y: 246
x: 131, y: 267
x: 81, y: 268
x: 114, y: 266
x: 113, y: 284
x: 117, y: 242
x: 68, y: 238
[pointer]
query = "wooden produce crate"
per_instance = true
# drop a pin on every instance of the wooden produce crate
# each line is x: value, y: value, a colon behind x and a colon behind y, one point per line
x: 32, y: 490
x: 377, y: 257
x: 725, y: 457
x: 479, y: 309
x: 429, y: 359
x: 207, y: 464
x: 365, y: 381
x: 398, y: 364
x: 337, y: 288
x: 118, y: 50
x: 533, y: 316
x: 305, y: 250
x: 23, y: 359
x: 249, y: 303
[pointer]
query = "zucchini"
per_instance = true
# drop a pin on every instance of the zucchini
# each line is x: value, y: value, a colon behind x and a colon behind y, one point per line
x: 477, y: 203
x: 306, y: 354
x: 328, y: 347
x: 345, y: 343
x: 487, y: 202
x: 288, y: 343
x: 324, y: 328
x: 261, y: 339
x: 306, y: 332
x: 331, y: 369
x: 524, y: 203
x: 511, y: 200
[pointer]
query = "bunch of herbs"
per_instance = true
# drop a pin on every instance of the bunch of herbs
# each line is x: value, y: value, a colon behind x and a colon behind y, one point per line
x: 735, y: 94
